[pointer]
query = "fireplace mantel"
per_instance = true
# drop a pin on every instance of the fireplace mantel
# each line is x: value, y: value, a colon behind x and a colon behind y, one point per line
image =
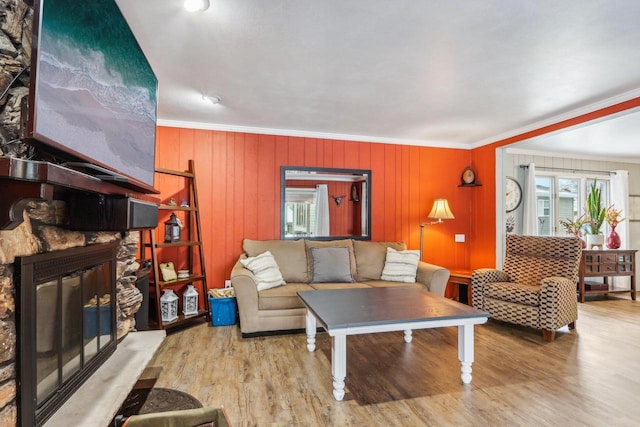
x: 23, y: 180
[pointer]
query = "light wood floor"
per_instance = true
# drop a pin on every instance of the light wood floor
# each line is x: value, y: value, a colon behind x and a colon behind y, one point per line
x: 586, y: 377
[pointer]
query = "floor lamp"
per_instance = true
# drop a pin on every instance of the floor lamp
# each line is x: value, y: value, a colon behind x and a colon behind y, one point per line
x: 439, y: 211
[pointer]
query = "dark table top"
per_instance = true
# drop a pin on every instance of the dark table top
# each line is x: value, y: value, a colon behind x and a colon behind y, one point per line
x: 340, y: 308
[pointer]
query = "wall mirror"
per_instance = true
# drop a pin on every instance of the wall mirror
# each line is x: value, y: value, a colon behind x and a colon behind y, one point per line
x: 325, y: 203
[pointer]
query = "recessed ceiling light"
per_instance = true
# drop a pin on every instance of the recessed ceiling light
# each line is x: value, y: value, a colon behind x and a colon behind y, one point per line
x: 211, y: 98
x: 196, y: 5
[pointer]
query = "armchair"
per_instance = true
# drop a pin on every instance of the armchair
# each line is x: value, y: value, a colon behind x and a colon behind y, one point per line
x: 537, y: 285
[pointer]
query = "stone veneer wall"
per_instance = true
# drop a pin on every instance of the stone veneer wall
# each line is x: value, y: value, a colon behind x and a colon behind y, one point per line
x: 16, y: 20
x: 41, y: 231
x: 43, y: 227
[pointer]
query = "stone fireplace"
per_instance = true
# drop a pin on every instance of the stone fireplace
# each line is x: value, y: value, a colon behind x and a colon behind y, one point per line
x: 34, y: 218
x: 42, y: 232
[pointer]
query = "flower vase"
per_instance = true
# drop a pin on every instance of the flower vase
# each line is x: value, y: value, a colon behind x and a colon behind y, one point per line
x: 613, y: 239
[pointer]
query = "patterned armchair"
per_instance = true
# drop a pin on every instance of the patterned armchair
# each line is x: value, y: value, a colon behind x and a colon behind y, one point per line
x: 537, y: 286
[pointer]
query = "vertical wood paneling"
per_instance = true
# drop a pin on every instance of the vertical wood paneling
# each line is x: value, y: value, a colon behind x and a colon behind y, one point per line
x: 267, y: 184
x: 390, y: 193
x: 239, y: 188
x: 378, y: 199
x: 483, y: 228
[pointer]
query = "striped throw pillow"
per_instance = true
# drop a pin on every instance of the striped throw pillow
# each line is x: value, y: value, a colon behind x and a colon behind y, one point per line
x: 401, y: 266
x: 265, y: 269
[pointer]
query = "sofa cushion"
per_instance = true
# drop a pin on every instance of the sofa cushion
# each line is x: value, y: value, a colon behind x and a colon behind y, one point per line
x: 320, y: 286
x: 265, y: 270
x: 370, y: 257
x: 332, y: 264
x: 290, y: 255
x: 282, y: 297
x: 388, y: 284
x: 328, y: 244
x: 401, y: 266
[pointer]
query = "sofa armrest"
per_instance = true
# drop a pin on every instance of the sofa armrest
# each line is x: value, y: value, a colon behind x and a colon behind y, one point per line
x: 558, y: 302
x: 433, y: 277
x: 246, y: 291
x: 481, y: 277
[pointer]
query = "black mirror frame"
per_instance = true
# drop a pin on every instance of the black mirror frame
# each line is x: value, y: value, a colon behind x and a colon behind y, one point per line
x: 364, y: 172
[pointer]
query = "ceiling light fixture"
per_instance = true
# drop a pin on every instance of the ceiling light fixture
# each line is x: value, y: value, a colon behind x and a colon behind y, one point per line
x: 211, y: 98
x: 196, y: 5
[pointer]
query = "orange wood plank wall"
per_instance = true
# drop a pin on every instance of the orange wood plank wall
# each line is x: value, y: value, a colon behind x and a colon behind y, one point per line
x: 238, y: 176
x: 482, y: 239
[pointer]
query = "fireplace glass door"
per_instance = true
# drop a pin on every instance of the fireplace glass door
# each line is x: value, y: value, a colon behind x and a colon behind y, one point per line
x: 67, y: 322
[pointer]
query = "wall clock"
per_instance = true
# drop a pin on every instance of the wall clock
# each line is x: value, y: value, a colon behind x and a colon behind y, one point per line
x: 513, y: 194
x: 468, y: 176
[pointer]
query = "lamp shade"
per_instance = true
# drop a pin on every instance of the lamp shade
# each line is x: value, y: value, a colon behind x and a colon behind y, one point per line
x: 441, y: 210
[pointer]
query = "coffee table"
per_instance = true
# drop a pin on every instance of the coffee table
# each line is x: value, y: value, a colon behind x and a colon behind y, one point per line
x: 343, y: 312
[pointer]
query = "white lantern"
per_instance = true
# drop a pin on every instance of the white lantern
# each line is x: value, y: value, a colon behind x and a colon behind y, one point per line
x: 190, y: 301
x: 169, y: 305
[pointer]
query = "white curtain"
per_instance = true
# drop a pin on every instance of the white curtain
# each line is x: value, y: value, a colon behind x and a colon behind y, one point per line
x: 620, y: 198
x: 530, y: 205
x: 322, y: 210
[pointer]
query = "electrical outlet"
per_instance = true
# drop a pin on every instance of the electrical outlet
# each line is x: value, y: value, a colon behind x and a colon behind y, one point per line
x: 227, y: 283
x: 459, y: 238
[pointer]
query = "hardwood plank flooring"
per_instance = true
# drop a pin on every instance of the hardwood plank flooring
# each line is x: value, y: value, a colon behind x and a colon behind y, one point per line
x: 586, y: 377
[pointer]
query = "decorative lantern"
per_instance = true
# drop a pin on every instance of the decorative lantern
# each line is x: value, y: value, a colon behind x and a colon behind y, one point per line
x: 190, y: 301
x: 172, y: 229
x: 169, y: 305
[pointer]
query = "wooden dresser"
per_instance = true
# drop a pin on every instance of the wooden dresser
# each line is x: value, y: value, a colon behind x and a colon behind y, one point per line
x: 605, y: 264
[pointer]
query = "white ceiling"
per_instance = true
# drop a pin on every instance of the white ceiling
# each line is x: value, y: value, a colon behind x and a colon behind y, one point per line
x: 454, y: 73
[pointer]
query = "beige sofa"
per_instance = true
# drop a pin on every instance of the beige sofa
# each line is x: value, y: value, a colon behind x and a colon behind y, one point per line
x: 280, y: 309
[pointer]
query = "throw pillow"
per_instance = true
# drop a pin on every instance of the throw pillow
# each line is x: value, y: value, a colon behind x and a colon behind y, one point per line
x: 401, y: 266
x: 331, y: 264
x: 265, y: 269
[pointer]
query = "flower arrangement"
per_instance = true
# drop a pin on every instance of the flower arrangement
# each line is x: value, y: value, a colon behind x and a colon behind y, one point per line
x: 575, y: 226
x: 613, y: 216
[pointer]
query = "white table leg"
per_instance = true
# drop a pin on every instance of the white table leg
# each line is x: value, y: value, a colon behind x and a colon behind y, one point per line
x: 339, y: 364
x: 311, y: 331
x: 465, y: 351
x: 407, y: 335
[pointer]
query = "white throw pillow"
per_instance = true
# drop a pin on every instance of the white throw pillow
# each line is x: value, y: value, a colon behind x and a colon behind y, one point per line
x: 401, y: 266
x: 265, y: 269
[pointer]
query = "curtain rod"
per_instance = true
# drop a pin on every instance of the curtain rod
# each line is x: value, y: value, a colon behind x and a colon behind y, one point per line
x: 569, y: 170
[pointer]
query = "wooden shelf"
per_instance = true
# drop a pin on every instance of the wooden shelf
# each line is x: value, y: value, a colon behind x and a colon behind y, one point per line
x: 177, y: 208
x: 181, y: 244
x: 194, y: 253
x: 182, y: 319
x: 469, y: 185
x: 178, y: 282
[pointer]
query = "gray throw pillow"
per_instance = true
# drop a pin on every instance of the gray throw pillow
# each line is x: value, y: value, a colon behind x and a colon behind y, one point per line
x: 331, y: 264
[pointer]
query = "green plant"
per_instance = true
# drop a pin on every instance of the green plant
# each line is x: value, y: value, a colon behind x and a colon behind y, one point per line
x: 595, y: 211
x: 576, y: 226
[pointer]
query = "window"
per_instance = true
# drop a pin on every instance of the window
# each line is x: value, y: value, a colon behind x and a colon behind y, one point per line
x: 300, y: 209
x: 561, y: 198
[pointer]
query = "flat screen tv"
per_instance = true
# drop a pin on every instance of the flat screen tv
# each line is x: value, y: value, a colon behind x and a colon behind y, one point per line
x: 93, y: 94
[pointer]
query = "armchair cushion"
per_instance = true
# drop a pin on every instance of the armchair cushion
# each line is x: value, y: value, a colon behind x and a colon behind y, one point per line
x: 518, y: 293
